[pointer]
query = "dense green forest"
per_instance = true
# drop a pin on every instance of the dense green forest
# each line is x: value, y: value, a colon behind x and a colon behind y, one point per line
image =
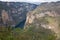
x: 7, y: 33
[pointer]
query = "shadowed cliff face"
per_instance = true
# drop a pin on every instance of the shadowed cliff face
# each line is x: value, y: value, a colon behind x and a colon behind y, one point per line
x: 12, y: 13
x: 46, y: 16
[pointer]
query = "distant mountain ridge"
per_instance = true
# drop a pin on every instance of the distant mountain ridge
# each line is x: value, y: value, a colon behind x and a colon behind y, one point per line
x: 15, y: 11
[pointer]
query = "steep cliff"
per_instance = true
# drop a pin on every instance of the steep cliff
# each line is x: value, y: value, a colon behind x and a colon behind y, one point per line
x: 47, y: 15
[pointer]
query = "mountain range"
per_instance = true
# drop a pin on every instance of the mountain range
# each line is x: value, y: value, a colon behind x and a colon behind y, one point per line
x: 44, y: 18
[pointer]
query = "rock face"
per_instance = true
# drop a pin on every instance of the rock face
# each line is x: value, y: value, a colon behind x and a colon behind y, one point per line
x: 46, y: 15
x: 12, y: 13
x: 5, y: 16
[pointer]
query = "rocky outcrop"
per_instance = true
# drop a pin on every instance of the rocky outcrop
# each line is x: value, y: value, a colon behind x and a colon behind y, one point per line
x: 5, y: 16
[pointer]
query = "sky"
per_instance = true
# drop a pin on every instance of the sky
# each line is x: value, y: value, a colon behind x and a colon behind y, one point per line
x: 30, y: 0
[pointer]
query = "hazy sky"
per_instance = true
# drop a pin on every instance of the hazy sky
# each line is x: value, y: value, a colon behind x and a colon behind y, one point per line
x: 30, y: 0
